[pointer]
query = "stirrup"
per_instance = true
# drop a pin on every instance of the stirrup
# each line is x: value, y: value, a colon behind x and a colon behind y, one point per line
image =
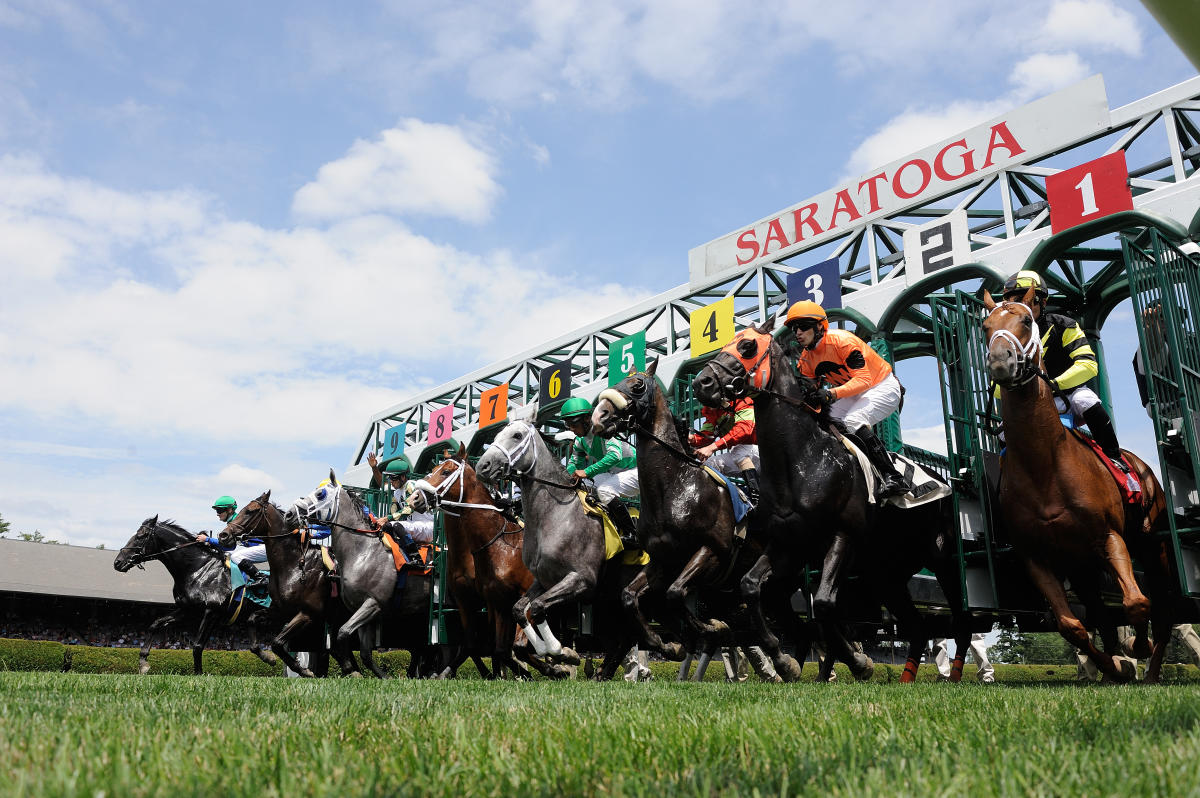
x: 1119, y: 462
x: 892, y: 486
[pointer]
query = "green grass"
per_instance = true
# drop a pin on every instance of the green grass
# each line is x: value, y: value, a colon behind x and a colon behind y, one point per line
x: 87, y: 734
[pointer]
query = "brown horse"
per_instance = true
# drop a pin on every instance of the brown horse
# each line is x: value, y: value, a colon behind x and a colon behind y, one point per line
x: 1062, y: 508
x: 300, y: 587
x: 485, y: 566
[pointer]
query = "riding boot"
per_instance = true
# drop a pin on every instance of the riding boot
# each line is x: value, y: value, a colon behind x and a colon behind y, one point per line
x: 1096, y: 417
x: 411, y: 549
x: 894, y: 483
x: 252, y: 573
x: 619, y: 514
x: 752, y: 492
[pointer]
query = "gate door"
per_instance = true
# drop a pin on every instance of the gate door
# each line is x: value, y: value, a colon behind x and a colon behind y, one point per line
x: 1164, y: 286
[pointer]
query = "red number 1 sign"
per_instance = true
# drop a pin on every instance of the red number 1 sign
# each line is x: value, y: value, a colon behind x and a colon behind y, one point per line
x: 1089, y: 191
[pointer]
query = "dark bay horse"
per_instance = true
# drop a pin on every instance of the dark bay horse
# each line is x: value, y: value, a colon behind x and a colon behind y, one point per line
x: 815, y: 510
x: 300, y: 586
x: 563, y: 547
x: 686, y: 522
x: 369, y: 577
x: 485, y: 569
x: 1062, y: 508
x: 202, y: 586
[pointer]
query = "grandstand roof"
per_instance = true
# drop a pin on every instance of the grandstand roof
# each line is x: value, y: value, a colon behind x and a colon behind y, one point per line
x: 61, y: 570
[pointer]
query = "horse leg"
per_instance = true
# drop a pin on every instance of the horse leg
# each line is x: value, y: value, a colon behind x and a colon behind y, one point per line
x: 153, y: 632
x: 360, y: 622
x: 947, y: 577
x: 631, y: 597
x: 1137, y: 606
x: 280, y: 644
x: 677, y: 594
x: 618, y: 645
x: 570, y: 587
x: 519, y: 612
x: 260, y: 649
x: 833, y: 573
x: 751, y: 587
x: 1069, y: 626
x: 1157, y: 573
x: 201, y: 638
x: 911, y: 626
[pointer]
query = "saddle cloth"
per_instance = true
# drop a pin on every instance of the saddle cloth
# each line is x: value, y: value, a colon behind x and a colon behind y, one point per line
x: 927, y: 487
x: 1128, y: 484
x: 612, y: 539
x: 240, y: 590
x: 741, y: 507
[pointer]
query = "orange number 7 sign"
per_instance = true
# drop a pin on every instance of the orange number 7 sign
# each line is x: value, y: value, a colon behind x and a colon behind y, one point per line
x: 493, y: 405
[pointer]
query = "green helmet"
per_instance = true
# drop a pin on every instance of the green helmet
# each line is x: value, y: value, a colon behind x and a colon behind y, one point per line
x: 1022, y: 281
x: 225, y: 503
x: 575, y: 406
x: 399, y: 466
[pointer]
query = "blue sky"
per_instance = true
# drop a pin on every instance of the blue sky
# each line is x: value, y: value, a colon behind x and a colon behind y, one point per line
x: 229, y: 232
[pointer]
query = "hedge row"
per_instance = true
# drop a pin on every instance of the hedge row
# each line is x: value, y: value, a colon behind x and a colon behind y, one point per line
x: 42, y: 655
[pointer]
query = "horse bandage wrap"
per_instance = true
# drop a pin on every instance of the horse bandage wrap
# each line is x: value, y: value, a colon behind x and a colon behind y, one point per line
x: 612, y: 539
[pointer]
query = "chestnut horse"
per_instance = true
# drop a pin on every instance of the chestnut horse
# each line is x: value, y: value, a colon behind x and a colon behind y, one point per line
x: 1062, y: 508
x: 483, y: 548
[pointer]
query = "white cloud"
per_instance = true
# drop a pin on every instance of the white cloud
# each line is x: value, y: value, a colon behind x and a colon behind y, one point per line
x: 414, y: 168
x: 1046, y: 73
x: 1091, y: 23
x: 931, y: 439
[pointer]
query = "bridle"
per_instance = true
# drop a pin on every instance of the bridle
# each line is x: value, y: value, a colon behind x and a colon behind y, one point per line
x: 306, y: 518
x: 739, y: 385
x: 440, y: 490
x: 1028, y: 355
x: 629, y: 409
x: 513, y: 456
x: 140, y: 555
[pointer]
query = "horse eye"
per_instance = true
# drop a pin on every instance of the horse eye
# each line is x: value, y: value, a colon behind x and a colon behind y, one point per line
x: 321, y: 495
x: 747, y: 348
x: 1027, y: 321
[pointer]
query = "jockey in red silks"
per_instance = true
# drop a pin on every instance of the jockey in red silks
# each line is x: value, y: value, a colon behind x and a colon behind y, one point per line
x: 726, y: 442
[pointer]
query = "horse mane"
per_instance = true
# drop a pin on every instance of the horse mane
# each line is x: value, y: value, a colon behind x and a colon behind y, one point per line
x: 173, y: 526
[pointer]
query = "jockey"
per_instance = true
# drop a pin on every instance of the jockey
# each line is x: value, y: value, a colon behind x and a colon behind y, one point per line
x: 1069, y: 360
x: 408, y: 526
x: 865, y: 390
x: 726, y: 442
x: 611, y: 464
x: 244, y: 553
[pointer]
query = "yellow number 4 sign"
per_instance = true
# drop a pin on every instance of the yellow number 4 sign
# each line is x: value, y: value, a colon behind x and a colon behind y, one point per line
x: 712, y: 326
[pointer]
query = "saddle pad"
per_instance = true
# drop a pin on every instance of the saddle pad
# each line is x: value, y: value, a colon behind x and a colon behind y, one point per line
x: 612, y: 539
x: 403, y: 564
x: 1128, y: 484
x: 927, y: 487
x: 740, y: 506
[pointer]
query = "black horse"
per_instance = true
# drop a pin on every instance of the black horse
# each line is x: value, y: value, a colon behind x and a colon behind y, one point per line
x: 815, y: 509
x: 687, y: 523
x: 301, y: 590
x: 202, y: 586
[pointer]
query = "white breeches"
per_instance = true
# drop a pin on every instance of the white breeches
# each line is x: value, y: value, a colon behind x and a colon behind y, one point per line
x: 1082, y: 399
x: 419, y: 528
x: 252, y: 554
x: 978, y: 648
x: 869, y: 407
x: 729, y: 461
x: 622, y: 483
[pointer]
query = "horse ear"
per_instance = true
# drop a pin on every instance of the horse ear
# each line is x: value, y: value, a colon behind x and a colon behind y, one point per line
x: 767, y: 325
x: 1030, y: 293
x: 989, y: 304
x: 266, y: 497
x: 333, y: 478
x: 652, y: 367
x: 154, y: 520
x: 462, y: 452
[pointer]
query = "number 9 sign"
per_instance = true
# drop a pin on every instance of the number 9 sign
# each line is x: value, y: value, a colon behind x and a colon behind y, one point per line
x: 441, y: 424
x: 393, y: 442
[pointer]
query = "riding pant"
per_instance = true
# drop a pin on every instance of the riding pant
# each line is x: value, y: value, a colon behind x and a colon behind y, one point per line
x: 869, y: 407
x: 419, y: 526
x: 1080, y: 400
x: 978, y: 648
x: 252, y: 554
x: 729, y: 461
x: 621, y: 483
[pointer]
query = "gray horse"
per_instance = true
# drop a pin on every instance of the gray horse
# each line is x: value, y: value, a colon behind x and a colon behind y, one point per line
x: 368, y: 574
x: 202, y: 585
x: 563, y: 548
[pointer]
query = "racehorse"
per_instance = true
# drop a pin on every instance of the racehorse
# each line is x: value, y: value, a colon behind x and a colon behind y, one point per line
x: 202, y: 584
x: 564, y: 546
x: 815, y: 508
x: 1062, y: 508
x: 686, y: 523
x: 485, y: 570
x: 300, y: 587
x: 369, y: 577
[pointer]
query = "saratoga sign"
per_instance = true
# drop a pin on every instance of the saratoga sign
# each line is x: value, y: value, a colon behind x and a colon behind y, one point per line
x: 1028, y: 132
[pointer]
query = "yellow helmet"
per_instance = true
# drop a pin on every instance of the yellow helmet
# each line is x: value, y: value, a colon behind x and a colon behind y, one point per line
x: 1022, y: 281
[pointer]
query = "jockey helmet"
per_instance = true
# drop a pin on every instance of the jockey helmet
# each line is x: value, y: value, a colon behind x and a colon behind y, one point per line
x: 225, y: 503
x: 574, y: 407
x: 1022, y: 281
x: 400, y: 467
x: 808, y: 315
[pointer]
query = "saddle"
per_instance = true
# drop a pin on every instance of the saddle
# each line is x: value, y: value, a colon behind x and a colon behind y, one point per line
x: 927, y: 486
x: 612, y: 538
x: 1127, y: 483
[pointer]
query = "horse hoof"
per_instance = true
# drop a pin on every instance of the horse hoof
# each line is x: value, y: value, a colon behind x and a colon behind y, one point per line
x: 305, y: 673
x: 718, y: 626
x: 673, y: 652
x: 568, y: 656
x: 561, y: 673
x: 356, y: 675
x: 1127, y: 671
x: 144, y: 668
x: 788, y: 668
x: 864, y: 667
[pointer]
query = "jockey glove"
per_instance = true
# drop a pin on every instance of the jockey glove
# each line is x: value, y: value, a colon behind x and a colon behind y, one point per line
x: 825, y: 396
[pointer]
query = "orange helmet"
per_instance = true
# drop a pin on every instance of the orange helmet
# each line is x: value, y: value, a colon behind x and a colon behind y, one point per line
x: 808, y: 311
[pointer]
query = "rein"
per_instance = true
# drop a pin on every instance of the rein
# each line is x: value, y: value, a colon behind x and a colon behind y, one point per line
x: 142, y: 557
x: 503, y: 531
x: 517, y: 452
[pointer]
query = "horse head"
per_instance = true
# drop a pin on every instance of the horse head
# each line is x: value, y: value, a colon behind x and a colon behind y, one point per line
x: 321, y: 506
x: 741, y: 367
x: 632, y: 402
x: 250, y: 522
x: 1014, y: 344
x: 137, y: 547
x: 450, y: 475
x: 512, y: 454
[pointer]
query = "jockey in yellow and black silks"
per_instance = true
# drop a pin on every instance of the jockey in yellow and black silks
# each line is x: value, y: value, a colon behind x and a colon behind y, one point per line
x: 1069, y: 361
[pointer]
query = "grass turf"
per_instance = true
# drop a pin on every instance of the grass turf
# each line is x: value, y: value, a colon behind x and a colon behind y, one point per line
x: 76, y: 734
